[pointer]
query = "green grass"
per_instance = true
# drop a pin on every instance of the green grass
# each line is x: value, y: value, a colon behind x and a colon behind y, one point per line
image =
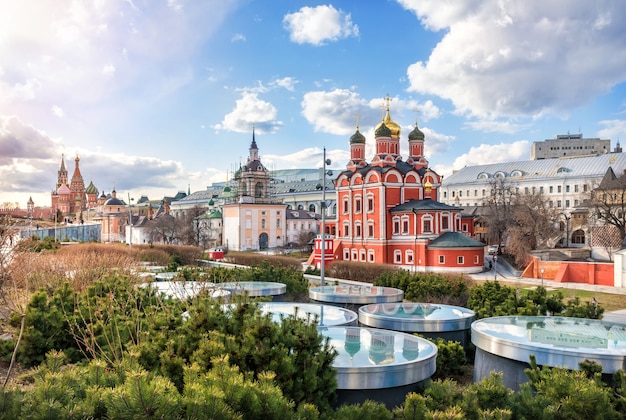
x: 609, y: 301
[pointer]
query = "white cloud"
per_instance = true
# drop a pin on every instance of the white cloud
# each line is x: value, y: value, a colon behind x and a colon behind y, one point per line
x: 318, y: 25
x: 435, y: 142
x: 108, y: 70
x: 493, y: 153
x: 238, y: 38
x: 490, y: 126
x: 311, y: 157
x: 613, y: 129
x: 334, y: 112
x: 58, y: 111
x: 251, y: 111
x: 509, y: 58
x: 288, y: 83
x: 175, y: 5
x: 69, y: 48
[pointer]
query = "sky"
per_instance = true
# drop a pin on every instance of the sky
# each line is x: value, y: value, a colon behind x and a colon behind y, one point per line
x: 161, y: 96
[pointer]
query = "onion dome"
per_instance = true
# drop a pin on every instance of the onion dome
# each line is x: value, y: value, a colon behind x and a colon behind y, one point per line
x: 416, y: 134
x: 211, y: 202
x: 391, y: 125
x: 91, y: 189
x: 383, y: 131
x: 357, y: 137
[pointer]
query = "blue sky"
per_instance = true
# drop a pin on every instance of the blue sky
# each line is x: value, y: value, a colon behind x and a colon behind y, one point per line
x: 157, y: 96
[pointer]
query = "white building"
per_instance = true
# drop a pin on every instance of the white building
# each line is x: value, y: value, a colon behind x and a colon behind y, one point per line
x: 569, y: 145
x: 565, y: 182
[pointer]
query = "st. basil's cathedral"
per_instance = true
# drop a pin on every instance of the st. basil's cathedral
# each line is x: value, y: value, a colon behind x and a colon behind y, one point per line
x: 70, y: 197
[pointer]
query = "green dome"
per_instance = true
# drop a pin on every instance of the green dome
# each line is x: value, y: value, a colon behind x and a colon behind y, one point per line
x: 357, y: 137
x: 383, y: 131
x: 91, y: 189
x: 416, y: 134
x: 211, y: 202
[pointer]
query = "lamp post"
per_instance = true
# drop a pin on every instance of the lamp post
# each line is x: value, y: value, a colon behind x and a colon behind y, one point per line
x: 55, y: 224
x: 130, y: 222
x: 542, y: 270
x: 495, y: 267
x: 323, y: 207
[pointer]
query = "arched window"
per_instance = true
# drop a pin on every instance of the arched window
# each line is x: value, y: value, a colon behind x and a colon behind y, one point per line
x: 258, y: 190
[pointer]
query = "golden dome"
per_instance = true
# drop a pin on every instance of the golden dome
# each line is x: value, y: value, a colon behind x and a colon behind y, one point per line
x: 391, y: 124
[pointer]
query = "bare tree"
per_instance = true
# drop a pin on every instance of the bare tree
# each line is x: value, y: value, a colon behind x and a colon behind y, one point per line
x: 607, y: 203
x: 303, y: 239
x: 14, y: 293
x: 8, y: 235
x: 498, y: 208
x: 189, y: 226
x: 164, y: 229
x: 531, y: 225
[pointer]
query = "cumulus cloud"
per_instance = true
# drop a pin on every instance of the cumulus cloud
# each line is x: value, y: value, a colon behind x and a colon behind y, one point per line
x: 311, y: 157
x: 30, y: 159
x: 20, y: 140
x: 493, y: 153
x: 251, y: 111
x: 336, y: 111
x: 613, y: 129
x: 509, y: 59
x: 319, y: 25
x: 288, y: 83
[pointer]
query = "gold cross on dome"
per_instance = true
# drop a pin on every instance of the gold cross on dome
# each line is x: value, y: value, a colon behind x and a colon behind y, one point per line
x: 388, y: 100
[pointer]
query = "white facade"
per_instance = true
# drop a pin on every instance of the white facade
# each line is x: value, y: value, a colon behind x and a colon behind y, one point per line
x: 565, y: 182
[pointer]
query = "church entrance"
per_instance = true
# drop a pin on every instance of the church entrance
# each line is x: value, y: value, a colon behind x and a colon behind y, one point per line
x: 263, y: 241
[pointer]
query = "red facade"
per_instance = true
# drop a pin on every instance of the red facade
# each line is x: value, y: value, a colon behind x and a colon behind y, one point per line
x: 387, y: 210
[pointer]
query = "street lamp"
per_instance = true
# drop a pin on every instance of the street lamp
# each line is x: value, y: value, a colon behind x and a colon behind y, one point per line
x: 130, y: 221
x: 323, y: 208
x: 495, y: 267
x: 542, y: 270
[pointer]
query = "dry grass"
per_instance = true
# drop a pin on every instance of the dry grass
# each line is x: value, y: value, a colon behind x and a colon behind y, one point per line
x: 253, y: 259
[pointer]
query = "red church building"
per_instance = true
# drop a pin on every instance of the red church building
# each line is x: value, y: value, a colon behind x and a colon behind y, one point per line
x: 388, y: 213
